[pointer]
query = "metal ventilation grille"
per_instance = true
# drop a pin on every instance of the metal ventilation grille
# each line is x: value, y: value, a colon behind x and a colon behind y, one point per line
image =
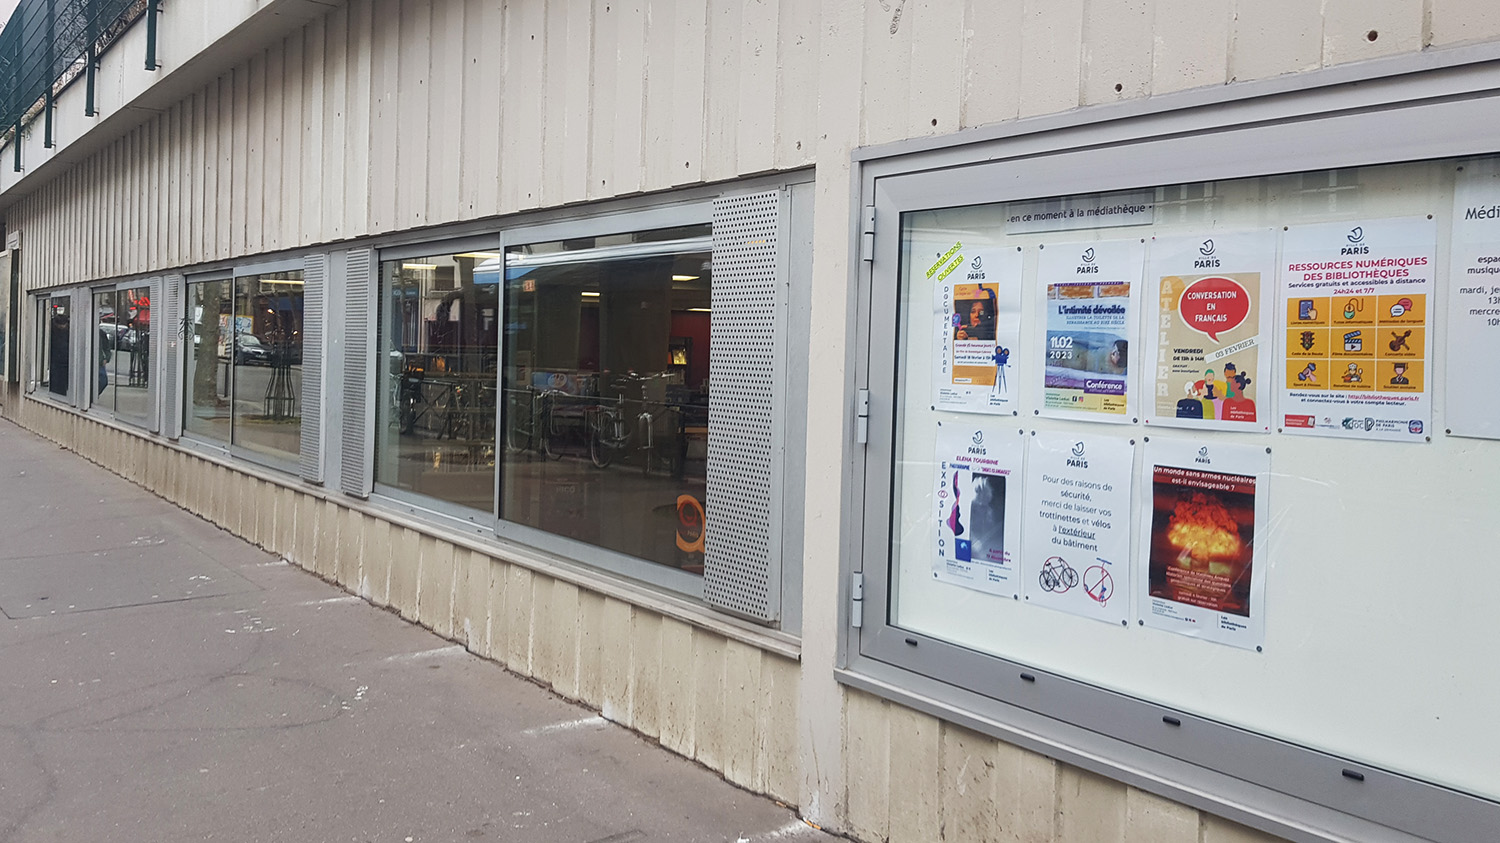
x: 314, y: 277
x: 358, y: 446
x: 742, y: 547
x: 172, y: 335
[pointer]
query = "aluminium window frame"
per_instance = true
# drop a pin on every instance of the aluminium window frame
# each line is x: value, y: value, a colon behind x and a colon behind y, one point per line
x: 674, y: 215
x: 151, y: 420
x: 42, y: 299
x: 1381, y: 113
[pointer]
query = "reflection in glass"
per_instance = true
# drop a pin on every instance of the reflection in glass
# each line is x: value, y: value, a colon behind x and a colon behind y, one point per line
x: 106, y: 340
x: 606, y: 391
x: 209, y: 308
x: 54, y: 332
x: 267, y: 359
x: 131, y: 375
x: 435, y: 418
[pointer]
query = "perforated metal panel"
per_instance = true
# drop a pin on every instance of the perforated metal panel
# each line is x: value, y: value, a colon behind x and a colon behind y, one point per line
x: 314, y: 277
x: 742, y: 542
x: 358, y: 440
x: 172, y: 333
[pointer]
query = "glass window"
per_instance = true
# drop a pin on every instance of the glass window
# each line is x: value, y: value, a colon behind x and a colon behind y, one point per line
x: 130, y: 378
x: 243, y: 377
x: 209, y: 309
x: 435, y: 420
x: 54, y: 335
x: 106, y: 346
x: 267, y: 362
x: 606, y: 391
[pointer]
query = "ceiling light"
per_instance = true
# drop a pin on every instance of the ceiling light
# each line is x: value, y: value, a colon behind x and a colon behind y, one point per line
x: 699, y: 310
x: 684, y: 278
x: 479, y: 256
x: 419, y: 266
x: 590, y: 295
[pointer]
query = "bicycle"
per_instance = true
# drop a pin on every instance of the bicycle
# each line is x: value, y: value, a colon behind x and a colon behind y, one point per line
x: 612, y: 431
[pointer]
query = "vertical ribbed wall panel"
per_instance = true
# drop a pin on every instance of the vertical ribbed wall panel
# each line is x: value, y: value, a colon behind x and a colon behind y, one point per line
x: 742, y: 547
x: 314, y: 277
x: 358, y: 439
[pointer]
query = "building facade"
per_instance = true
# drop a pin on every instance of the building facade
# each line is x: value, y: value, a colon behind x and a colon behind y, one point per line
x: 781, y: 379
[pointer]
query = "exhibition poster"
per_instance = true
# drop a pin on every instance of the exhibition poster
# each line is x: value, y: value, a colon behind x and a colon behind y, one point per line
x: 1358, y: 336
x: 1474, y: 300
x: 1209, y: 331
x: 1202, y: 548
x: 1075, y: 550
x: 1089, y: 291
x: 977, y: 507
x: 977, y: 296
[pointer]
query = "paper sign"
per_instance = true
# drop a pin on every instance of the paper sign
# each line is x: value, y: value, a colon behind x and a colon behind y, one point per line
x: 978, y: 507
x: 1088, y: 293
x: 977, y: 331
x: 1201, y: 552
x: 1075, y: 552
x: 1209, y: 332
x: 1474, y: 300
x: 1358, y: 340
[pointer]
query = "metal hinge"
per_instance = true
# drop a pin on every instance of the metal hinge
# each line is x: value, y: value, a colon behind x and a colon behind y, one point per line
x: 857, y: 599
x: 862, y: 416
x: 867, y: 235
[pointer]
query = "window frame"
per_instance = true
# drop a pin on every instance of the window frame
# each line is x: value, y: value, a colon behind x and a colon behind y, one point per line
x: 1311, y: 124
x: 41, y: 301
x: 150, y: 419
x: 675, y: 215
x: 229, y: 448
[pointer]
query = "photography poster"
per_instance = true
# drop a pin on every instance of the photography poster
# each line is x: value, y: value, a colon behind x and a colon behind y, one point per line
x: 978, y: 303
x: 1474, y: 300
x: 1209, y: 331
x: 1089, y: 293
x: 1358, y: 336
x: 1075, y: 551
x: 977, y: 507
x: 1201, y: 553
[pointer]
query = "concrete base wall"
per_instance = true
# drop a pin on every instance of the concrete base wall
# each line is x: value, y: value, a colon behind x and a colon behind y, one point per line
x: 723, y: 702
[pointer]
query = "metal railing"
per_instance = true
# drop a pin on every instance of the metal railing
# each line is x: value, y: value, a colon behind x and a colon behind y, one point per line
x: 47, y: 44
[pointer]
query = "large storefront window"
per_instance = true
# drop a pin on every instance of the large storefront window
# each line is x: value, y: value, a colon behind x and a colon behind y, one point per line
x: 121, y: 356
x: 606, y: 390
x: 244, y: 365
x: 435, y: 414
x: 54, y: 345
x: 209, y: 310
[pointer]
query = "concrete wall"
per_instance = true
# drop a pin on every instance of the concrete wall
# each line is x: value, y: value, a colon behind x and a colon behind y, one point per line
x: 389, y: 115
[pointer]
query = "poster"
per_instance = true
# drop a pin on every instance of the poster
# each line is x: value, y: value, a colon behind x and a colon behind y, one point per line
x: 978, y: 303
x: 1075, y: 550
x: 1474, y: 300
x: 978, y: 506
x: 1202, y: 558
x: 1358, y: 338
x: 1088, y: 293
x: 1209, y: 331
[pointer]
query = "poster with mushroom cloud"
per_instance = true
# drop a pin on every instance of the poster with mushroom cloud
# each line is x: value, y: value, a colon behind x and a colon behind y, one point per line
x: 1202, y: 549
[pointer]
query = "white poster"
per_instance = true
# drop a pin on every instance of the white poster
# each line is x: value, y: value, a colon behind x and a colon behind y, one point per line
x: 1202, y: 567
x: 1075, y: 551
x: 978, y: 303
x: 1088, y: 294
x: 1474, y: 300
x: 1209, y: 302
x: 1358, y: 334
x: 978, y: 500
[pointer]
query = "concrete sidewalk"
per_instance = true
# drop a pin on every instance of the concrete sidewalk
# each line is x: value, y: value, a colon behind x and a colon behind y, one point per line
x: 162, y: 680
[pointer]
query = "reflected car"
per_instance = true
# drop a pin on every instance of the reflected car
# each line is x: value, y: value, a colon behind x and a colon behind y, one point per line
x: 250, y: 351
